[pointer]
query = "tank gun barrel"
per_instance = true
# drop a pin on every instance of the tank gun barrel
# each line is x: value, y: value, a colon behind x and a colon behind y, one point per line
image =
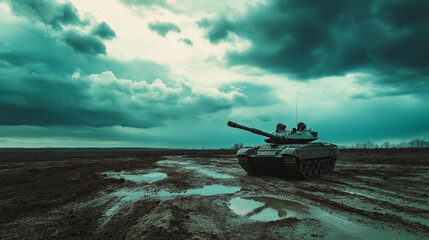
x: 254, y: 130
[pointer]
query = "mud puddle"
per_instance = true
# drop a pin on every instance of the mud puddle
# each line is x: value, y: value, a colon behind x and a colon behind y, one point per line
x: 211, y: 190
x: 127, y: 195
x: 266, y: 208
x: 366, y: 200
x: 177, y: 162
x: 345, y: 227
x: 135, y: 194
x: 210, y: 173
x: 137, y: 176
x: 168, y: 162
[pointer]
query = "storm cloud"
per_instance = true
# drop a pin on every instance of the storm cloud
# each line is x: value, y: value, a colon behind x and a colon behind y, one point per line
x: 58, y: 16
x: 47, y: 11
x: 63, y: 78
x: 162, y: 28
x: 103, y: 31
x: 84, y: 43
x: 187, y: 41
x: 311, y: 39
x: 103, y: 100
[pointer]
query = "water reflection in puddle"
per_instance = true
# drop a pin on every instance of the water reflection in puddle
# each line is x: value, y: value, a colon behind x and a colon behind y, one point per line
x: 340, y: 227
x: 127, y: 194
x: 137, y: 176
x: 266, y: 208
x: 169, y: 162
x: 210, y: 190
x: 210, y: 173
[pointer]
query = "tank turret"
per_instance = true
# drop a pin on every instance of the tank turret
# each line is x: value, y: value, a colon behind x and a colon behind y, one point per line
x: 282, y: 135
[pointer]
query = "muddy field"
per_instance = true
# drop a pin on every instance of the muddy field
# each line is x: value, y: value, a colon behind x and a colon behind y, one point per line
x: 372, y: 194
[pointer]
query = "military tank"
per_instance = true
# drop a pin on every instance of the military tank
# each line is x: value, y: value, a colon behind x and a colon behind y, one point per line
x: 289, y: 153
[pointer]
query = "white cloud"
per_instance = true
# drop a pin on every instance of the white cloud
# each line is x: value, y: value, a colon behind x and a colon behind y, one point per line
x: 155, y: 102
x: 135, y: 40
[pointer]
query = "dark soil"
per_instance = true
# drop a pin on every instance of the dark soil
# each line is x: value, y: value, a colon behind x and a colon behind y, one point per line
x: 63, y: 194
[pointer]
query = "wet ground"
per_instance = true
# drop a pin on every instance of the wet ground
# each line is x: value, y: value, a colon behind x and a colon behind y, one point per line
x: 372, y: 194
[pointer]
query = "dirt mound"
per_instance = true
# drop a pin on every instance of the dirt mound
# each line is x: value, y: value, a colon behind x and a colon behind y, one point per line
x: 165, y: 221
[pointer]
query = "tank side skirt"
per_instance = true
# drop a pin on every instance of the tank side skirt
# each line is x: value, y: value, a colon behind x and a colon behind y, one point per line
x: 318, y: 153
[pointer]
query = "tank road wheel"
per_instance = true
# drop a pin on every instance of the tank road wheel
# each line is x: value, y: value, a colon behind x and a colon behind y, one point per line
x: 320, y: 163
x: 331, y: 165
x: 309, y: 168
x: 316, y: 167
x: 321, y: 166
x: 303, y: 167
x: 326, y: 165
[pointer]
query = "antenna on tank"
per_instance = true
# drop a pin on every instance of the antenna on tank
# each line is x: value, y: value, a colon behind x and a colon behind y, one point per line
x: 296, y: 108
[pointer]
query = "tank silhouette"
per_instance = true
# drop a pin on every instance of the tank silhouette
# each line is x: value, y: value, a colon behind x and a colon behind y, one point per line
x: 289, y: 153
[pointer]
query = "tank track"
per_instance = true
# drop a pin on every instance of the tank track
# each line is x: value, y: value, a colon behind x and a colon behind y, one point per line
x: 296, y: 168
x: 244, y: 163
x: 290, y: 168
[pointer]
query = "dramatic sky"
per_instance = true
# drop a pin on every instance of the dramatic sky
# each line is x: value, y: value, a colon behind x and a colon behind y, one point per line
x: 171, y: 73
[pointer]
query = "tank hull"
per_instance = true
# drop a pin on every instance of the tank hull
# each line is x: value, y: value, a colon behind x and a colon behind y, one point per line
x: 289, y: 160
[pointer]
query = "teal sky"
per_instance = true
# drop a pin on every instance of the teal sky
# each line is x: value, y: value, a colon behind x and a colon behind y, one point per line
x: 171, y: 73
